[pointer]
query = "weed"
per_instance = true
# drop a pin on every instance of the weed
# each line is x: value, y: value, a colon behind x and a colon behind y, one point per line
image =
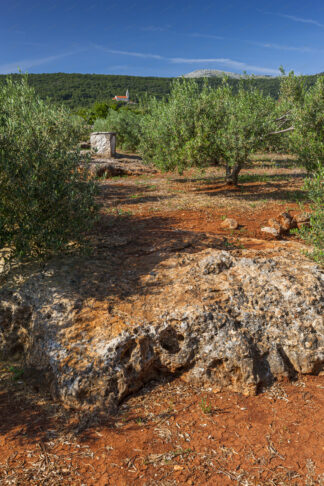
x: 180, y: 452
x: 205, y: 406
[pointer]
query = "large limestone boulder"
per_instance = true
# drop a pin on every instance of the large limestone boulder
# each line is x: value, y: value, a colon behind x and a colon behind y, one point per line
x: 237, y: 320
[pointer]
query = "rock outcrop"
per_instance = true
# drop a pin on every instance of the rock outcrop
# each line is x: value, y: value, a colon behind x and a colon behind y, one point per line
x: 237, y: 320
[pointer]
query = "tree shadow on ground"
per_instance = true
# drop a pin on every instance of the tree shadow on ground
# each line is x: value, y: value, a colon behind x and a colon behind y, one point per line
x: 120, y: 155
x: 243, y: 178
x: 124, y: 250
x: 115, y: 195
x: 260, y: 192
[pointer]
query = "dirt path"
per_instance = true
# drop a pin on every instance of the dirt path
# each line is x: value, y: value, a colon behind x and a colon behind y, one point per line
x: 172, y: 433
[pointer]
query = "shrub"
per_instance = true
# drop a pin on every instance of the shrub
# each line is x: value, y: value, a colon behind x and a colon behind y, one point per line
x: 46, y: 201
x: 86, y: 114
x: 100, y: 110
x: 314, y: 234
x: 127, y: 125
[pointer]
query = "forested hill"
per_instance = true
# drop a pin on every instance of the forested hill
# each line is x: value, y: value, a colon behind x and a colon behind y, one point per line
x: 82, y: 90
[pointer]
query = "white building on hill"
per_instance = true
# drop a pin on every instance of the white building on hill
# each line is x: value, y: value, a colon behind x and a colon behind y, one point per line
x: 122, y: 98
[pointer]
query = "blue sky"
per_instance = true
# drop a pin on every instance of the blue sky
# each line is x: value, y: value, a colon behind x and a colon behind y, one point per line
x: 161, y: 37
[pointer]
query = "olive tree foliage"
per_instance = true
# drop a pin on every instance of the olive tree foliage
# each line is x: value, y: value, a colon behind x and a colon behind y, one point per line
x: 198, y: 127
x: 314, y: 234
x: 181, y: 132
x: 307, y: 138
x: 305, y: 112
x: 249, y: 120
x: 46, y: 200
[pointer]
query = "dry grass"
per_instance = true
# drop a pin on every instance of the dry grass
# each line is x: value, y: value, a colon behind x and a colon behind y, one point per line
x: 196, y: 190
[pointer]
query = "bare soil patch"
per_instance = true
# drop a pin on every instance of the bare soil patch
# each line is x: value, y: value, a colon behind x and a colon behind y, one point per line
x: 173, y: 433
x: 168, y: 434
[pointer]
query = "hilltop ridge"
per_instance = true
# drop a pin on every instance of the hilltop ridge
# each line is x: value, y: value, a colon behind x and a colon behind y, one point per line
x: 215, y: 73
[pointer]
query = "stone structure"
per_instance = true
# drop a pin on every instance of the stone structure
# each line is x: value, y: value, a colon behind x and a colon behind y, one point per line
x: 103, y: 143
x: 122, y: 98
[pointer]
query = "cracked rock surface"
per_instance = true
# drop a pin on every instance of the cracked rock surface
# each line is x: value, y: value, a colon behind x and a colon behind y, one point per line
x: 100, y: 329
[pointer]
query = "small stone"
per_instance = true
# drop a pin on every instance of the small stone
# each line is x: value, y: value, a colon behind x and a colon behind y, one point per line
x: 272, y: 232
x: 230, y: 223
x: 273, y: 223
x: 286, y: 221
x: 302, y: 217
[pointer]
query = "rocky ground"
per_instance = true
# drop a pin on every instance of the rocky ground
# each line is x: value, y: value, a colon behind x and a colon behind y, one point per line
x: 196, y: 321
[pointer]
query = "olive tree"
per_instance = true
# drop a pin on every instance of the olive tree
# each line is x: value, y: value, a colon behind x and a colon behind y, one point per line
x: 181, y: 132
x: 199, y: 127
x: 307, y: 138
x: 248, y: 120
x: 46, y: 200
x: 306, y: 141
x: 314, y: 233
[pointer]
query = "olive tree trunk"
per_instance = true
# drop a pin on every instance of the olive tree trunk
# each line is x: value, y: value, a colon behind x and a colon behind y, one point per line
x: 232, y: 173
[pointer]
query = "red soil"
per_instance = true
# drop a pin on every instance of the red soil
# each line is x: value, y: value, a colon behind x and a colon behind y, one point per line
x: 171, y: 433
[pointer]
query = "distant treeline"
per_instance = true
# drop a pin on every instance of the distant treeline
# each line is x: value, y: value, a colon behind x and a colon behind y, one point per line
x: 82, y: 90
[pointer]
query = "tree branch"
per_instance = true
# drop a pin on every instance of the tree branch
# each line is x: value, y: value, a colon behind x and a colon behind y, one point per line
x: 283, y: 117
x: 290, y: 129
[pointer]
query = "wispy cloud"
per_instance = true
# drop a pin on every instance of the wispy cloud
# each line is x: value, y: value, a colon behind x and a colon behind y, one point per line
x: 28, y: 63
x: 229, y: 63
x: 301, y: 19
x: 131, y: 53
x: 280, y: 47
x: 294, y: 18
x: 267, y: 45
